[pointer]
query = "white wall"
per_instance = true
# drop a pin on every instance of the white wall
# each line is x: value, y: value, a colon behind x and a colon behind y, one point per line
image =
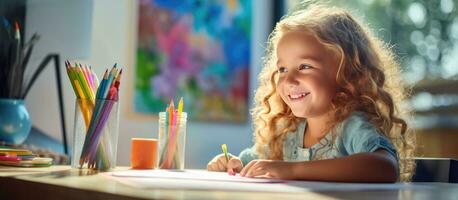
x: 114, y: 40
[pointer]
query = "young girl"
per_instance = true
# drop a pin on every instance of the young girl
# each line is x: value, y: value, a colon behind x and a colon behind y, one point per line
x: 327, y: 107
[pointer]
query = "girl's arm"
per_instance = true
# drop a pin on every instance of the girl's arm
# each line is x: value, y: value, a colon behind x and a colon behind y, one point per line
x: 378, y: 166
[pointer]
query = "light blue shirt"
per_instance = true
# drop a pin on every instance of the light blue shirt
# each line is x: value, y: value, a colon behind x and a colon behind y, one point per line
x: 354, y: 135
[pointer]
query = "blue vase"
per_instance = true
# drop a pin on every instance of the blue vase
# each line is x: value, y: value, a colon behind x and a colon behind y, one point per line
x: 14, y: 121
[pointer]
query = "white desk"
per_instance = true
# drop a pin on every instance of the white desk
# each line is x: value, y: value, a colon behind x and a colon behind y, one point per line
x: 61, y: 182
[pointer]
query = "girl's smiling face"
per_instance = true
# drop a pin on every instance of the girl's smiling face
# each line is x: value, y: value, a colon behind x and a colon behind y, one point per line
x: 306, y: 74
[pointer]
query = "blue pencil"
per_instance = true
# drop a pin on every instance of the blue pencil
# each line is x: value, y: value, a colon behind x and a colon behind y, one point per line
x: 92, y: 135
x: 109, y: 81
x: 94, y: 118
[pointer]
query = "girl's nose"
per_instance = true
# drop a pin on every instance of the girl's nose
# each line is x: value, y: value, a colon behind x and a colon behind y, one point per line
x: 291, y: 79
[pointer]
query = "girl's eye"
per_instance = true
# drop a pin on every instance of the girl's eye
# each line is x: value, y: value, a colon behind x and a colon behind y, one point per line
x: 304, y: 66
x: 282, y: 69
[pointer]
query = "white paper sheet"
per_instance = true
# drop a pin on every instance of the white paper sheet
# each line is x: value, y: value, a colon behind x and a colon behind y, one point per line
x: 191, y: 175
x: 203, y: 180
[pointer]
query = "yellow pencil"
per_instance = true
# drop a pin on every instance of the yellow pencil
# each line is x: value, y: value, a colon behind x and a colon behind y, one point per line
x: 224, y: 148
x: 78, y: 90
x: 85, y: 84
x: 87, y: 112
x: 180, y: 110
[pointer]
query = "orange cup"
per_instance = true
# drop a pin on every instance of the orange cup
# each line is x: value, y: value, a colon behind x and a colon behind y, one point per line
x: 144, y: 153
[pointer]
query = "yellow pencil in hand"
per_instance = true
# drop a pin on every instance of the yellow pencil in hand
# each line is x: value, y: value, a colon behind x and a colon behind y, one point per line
x: 224, y: 148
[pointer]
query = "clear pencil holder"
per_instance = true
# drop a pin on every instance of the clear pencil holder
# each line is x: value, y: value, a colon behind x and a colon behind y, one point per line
x: 172, y: 141
x: 95, y: 134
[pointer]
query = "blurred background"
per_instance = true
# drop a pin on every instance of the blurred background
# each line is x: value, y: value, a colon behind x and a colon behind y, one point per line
x: 424, y: 36
x: 232, y: 35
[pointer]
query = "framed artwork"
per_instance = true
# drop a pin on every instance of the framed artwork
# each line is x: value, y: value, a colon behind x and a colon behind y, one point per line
x: 198, y: 50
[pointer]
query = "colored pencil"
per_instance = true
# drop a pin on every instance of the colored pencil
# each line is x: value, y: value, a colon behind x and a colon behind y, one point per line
x: 102, y: 97
x: 177, y: 127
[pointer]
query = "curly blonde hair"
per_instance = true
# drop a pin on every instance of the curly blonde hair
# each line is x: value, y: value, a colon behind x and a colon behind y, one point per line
x: 368, y: 80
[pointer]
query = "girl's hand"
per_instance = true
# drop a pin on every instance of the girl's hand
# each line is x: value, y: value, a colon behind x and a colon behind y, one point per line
x: 219, y: 164
x: 269, y: 169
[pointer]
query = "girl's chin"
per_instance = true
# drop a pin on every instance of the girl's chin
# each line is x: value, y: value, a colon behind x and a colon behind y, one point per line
x: 308, y: 110
x: 309, y: 114
x: 301, y: 114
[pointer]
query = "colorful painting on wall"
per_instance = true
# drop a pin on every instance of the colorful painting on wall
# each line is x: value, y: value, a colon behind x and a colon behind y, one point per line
x: 198, y: 50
